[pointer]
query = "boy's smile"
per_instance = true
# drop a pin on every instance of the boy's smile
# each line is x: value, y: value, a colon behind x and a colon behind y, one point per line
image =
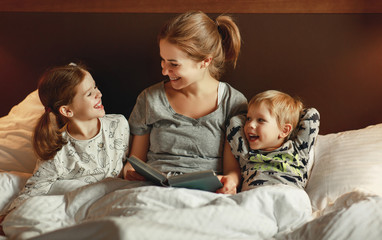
x: 261, y: 129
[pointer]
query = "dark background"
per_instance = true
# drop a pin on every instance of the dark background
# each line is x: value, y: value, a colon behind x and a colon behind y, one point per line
x: 332, y: 61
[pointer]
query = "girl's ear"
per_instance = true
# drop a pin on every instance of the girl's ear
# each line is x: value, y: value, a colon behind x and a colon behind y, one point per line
x: 286, y: 130
x: 65, y: 111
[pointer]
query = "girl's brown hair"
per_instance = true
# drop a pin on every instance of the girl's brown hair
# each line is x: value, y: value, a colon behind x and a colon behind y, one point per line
x: 201, y: 37
x: 57, y: 87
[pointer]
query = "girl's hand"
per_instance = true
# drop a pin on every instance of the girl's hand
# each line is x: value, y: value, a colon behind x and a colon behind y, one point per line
x: 229, y: 185
x: 130, y: 174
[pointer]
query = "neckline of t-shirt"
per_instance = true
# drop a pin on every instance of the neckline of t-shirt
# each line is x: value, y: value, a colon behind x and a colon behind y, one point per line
x: 83, y: 140
x: 221, y: 89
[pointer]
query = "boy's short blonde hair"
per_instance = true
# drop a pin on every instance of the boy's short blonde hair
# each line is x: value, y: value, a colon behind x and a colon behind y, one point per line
x: 283, y: 107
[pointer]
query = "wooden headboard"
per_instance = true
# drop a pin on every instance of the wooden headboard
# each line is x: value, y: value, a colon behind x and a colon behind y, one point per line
x: 327, y: 52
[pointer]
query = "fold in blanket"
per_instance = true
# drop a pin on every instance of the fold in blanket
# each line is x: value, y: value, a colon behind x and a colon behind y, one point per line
x: 119, y: 209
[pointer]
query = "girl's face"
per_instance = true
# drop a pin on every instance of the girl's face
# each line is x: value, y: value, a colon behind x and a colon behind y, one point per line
x: 179, y: 67
x: 261, y: 129
x: 87, y: 103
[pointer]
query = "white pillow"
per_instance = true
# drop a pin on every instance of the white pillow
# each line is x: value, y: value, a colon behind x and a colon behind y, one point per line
x: 11, y: 184
x: 16, y: 152
x: 345, y: 162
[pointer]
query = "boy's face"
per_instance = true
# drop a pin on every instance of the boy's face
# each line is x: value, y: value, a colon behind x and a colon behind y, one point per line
x: 261, y: 129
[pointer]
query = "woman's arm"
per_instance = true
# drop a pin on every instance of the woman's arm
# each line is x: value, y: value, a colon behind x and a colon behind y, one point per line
x: 231, y: 171
x: 139, y: 148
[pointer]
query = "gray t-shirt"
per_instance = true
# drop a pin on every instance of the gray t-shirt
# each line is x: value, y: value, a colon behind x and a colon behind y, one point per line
x: 179, y: 143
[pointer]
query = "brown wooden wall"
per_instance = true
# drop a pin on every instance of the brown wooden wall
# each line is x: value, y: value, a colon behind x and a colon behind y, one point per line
x: 333, y: 61
x: 178, y: 6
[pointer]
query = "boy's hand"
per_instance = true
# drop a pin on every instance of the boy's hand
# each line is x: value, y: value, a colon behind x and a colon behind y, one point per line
x: 229, y: 185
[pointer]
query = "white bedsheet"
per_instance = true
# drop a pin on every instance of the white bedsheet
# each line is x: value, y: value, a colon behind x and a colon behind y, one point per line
x: 355, y: 216
x: 118, y: 209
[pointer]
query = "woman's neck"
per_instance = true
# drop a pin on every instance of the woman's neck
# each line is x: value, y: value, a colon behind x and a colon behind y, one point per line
x: 200, y: 88
x: 194, y: 101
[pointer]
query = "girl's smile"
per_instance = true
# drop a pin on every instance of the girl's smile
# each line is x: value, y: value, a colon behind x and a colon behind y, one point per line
x: 99, y: 105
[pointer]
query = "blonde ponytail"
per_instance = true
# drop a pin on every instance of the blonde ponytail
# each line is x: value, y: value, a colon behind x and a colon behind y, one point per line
x: 231, y: 38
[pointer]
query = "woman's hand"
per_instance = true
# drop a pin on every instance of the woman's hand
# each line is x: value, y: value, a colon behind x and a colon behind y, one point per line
x: 139, y: 148
x: 229, y: 185
x: 130, y: 174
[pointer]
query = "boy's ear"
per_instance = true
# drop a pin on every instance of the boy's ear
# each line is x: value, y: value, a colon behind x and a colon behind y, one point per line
x: 286, y: 130
x: 65, y: 111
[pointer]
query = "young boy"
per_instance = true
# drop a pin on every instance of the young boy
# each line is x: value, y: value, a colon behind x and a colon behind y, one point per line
x: 272, y: 143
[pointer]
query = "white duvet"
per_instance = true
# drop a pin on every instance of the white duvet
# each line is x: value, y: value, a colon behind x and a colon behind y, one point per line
x: 118, y: 209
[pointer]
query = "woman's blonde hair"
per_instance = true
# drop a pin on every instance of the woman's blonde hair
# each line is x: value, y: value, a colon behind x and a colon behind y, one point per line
x: 200, y: 37
x: 57, y: 87
x: 282, y: 106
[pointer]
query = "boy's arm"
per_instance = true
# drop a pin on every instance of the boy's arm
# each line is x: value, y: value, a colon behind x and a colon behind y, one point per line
x: 307, y: 130
x: 231, y: 171
x: 236, y: 137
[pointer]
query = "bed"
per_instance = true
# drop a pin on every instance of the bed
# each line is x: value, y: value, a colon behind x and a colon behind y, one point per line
x: 343, y: 197
x: 332, y: 61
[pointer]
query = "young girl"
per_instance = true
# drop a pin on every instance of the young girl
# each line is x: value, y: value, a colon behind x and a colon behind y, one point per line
x: 178, y: 125
x: 274, y: 140
x: 74, y: 139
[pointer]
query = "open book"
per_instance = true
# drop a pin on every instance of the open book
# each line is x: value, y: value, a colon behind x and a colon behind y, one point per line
x: 204, y: 180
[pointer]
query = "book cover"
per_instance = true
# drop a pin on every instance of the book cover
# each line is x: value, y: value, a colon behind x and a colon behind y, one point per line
x: 203, y: 180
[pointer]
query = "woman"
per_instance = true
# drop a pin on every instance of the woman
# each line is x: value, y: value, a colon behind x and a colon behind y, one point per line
x: 178, y: 125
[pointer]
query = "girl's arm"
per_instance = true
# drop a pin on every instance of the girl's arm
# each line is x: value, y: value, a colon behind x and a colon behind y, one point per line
x: 231, y: 171
x: 139, y: 148
x: 39, y: 183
